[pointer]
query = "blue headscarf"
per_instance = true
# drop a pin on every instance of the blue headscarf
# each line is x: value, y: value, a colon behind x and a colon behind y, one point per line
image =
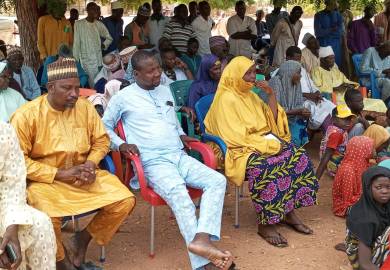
x: 204, y: 84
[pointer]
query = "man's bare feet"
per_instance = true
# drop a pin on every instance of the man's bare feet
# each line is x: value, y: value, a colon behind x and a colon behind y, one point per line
x: 80, y: 241
x: 202, y: 246
x: 296, y: 223
x: 271, y: 235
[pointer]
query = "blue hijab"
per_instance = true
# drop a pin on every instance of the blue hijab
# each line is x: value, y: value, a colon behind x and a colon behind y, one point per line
x: 204, y: 84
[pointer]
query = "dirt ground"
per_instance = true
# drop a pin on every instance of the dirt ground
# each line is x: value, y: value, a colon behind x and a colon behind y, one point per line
x: 129, y: 248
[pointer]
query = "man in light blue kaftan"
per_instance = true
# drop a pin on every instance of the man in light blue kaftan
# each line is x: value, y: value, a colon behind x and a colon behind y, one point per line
x: 328, y: 28
x: 146, y: 110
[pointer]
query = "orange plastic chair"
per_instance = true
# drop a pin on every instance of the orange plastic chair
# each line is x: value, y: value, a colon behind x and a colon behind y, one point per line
x: 86, y: 92
x: 362, y: 89
x: 147, y: 193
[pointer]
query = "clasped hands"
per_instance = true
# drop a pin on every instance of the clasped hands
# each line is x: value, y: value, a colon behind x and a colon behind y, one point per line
x: 79, y: 175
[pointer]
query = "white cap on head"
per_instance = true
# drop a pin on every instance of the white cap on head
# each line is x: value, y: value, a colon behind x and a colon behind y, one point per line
x: 306, y: 38
x: 116, y: 5
x: 326, y: 51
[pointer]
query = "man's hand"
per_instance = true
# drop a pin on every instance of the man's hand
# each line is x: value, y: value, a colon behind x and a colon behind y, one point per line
x: 305, y: 113
x: 386, y: 72
x: 190, y: 112
x: 129, y: 149
x: 186, y: 140
x: 10, y: 237
x: 180, y: 64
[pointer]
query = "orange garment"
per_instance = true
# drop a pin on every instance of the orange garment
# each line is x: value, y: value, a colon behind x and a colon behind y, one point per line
x: 52, y: 33
x: 347, y: 185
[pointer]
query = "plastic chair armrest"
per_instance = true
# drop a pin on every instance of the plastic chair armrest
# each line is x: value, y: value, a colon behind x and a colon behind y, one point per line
x: 211, y: 138
x: 137, y: 165
x: 190, y: 125
x: 206, y: 152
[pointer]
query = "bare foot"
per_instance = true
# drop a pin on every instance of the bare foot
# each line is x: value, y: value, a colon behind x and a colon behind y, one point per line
x: 80, y: 242
x: 202, y: 246
x: 271, y: 235
x: 294, y: 221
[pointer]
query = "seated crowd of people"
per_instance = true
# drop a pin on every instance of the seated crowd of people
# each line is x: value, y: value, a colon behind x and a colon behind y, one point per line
x: 269, y: 99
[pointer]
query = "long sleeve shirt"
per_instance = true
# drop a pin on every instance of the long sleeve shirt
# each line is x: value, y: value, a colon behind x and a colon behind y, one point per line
x: 13, y: 203
x: 149, y: 120
x: 28, y: 83
x: 87, y: 46
x: 52, y: 33
x: 361, y: 36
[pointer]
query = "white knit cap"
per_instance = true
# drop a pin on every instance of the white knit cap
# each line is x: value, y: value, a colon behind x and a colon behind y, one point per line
x: 306, y: 38
x: 326, y: 51
x: 116, y: 5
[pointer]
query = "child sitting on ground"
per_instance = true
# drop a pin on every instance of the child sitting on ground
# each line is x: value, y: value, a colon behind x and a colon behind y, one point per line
x: 335, y: 140
x: 191, y: 58
x: 347, y: 185
x: 354, y: 101
x: 368, y: 221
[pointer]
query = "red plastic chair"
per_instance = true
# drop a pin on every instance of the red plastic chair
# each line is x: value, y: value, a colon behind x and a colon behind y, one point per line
x: 147, y: 193
x: 86, y: 92
x: 386, y: 264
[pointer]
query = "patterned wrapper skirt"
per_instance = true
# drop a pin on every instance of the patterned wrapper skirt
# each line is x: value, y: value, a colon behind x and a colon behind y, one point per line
x: 281, y: 183
x: 380, y: 251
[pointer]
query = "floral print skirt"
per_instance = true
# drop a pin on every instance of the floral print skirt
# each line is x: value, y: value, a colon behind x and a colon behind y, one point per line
x: 280, y: 183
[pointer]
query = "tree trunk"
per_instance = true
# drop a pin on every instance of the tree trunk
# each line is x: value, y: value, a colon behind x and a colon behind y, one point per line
x: 27, y: 15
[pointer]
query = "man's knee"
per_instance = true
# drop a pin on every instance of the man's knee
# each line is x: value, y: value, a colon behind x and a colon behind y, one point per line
x: 219, y: 180
x: 127, y: 205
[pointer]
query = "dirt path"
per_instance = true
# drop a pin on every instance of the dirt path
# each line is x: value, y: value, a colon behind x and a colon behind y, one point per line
x: 129, y: 249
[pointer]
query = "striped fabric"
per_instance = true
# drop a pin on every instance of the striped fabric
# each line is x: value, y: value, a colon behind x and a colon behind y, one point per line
x: 178, y: 35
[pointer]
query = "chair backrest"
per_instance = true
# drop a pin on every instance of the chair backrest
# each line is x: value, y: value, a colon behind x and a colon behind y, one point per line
x: 86, y: 92
x: 180, y: 91
x: 201, y: 109
x: 357, y: 60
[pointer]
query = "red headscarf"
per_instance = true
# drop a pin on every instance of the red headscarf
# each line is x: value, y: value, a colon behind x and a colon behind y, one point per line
x: 347, y: 185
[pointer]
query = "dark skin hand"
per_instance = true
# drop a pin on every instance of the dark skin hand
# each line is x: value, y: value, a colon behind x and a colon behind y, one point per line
x: 343, y: 87
x: 83, y: 174
x: 324, y: 161
x: 190, y: 113
x: 315, y: 97
x: 129, y: 149
x: 386, y: 72
x: 363, y: 121
x: 303, y: 112
x: 243, y: 35
x: 10, y: 237
x: 272, y: 102
x: 365, y: 255
x: 186, y: 140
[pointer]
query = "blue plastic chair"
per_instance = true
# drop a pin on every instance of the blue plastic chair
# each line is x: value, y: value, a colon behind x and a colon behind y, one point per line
x: 201, y: 109
x: 106, y: 164
x: 357, y: 60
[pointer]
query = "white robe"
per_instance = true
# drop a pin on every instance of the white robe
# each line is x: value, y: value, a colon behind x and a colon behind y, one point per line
x: 36, y: 235
x: 87, y: 45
